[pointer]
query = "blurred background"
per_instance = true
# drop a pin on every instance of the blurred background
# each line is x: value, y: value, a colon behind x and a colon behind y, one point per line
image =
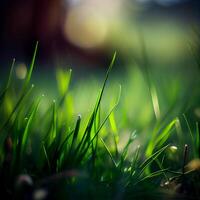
x: 85, y: 33
x: 154, y: 40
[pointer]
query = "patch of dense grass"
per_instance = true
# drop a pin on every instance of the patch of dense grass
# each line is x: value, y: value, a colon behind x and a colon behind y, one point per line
x: 44, y: 155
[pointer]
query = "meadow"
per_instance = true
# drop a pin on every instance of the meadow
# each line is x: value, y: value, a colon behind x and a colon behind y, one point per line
x: 134, y: 136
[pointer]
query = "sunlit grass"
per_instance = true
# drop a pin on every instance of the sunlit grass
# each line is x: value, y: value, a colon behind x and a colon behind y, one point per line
x: 124, y: 144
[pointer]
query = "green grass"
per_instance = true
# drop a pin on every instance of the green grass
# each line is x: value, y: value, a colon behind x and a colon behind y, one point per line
x: 128, y: 147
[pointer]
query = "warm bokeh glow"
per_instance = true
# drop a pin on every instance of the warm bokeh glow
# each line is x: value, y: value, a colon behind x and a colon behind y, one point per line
x: 21, y: 71
x: 86, y: 26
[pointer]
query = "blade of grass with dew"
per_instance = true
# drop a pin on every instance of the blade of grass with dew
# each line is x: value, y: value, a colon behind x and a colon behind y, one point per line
x: 92, y: 119
x: 24, y: 136
x: 100, y: 127
x: 29, y: 74
x: 87, y: 145
x: 25, y: 89
x: 107, y: 117
x: 104, y: 84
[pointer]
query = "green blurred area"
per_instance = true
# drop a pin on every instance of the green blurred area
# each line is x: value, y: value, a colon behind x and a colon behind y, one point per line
x: 83, y: 132
x: 155, y: 64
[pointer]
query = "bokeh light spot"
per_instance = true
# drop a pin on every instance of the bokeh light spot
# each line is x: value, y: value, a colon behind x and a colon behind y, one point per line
x: 21, y: 71
x: 85, y: 28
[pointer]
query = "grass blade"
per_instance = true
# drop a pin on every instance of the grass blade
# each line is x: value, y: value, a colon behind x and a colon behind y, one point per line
x: 29, y: 74
x: 17, y: 106
x: 24, y: 136
x: 108, y: 151
x: 150, y: 159
x: 75, y: 133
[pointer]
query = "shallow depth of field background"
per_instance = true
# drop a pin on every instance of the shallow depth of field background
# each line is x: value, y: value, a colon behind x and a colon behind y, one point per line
x: 154, y: 39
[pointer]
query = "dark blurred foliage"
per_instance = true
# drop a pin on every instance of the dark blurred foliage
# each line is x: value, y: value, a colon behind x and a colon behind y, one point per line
x: 185, y: 9
x: 23, y: 22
